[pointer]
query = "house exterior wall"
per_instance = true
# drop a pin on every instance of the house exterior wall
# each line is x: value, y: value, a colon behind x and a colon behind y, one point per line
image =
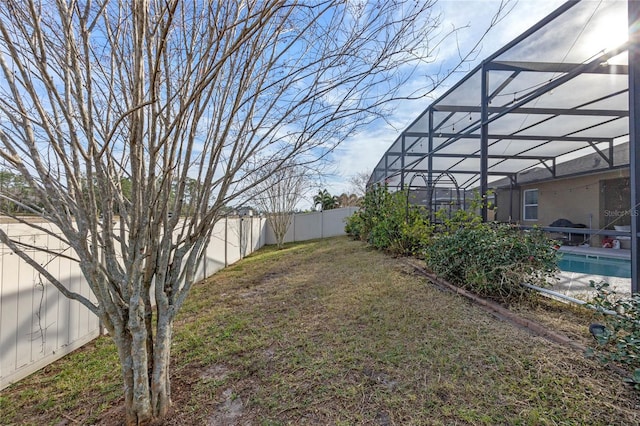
x: 508, y: 205
x: 578, y: 199
x: 615, y: 202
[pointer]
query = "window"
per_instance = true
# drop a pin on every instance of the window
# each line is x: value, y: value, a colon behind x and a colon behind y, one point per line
x: 531, y: 204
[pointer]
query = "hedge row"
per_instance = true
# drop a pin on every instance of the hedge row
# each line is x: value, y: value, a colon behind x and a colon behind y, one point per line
x: 489, y: 259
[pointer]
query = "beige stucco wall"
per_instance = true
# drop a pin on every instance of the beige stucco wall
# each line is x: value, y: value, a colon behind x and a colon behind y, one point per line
x: 577, y: 199
x: 508, y: 205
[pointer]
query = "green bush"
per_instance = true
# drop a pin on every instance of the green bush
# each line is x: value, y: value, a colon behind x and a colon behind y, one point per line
x: 413, y: 235
x: 360, y: 224
x: 619, y: 340
x: 467, y: 218
x: 492, y: 260
x: 354, y: 225
x: 489, y: 259
x: 387, y: 223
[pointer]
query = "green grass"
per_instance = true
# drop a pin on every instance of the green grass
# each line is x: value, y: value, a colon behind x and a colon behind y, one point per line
x: 77, y: 388
x: 331, y: 332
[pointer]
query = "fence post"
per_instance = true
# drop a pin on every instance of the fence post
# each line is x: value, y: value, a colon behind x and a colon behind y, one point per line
x: 226, y: 240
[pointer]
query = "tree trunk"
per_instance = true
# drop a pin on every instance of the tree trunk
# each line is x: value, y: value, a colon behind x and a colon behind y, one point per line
x: 147, y: 387
x: 160, y: 381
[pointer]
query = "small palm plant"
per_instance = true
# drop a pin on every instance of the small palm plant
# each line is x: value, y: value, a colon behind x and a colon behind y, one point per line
x: 325, y: 200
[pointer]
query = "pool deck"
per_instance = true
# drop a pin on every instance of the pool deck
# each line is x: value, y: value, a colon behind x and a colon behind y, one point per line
x: 597, y: 251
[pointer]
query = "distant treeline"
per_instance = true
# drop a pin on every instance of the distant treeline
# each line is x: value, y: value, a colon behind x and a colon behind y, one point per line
x: 15, y: 193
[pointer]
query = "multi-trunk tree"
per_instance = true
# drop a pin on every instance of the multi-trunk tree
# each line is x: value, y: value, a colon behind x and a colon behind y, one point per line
x: 358, y: 183
x: 132, y: 122
x: 278, y: 190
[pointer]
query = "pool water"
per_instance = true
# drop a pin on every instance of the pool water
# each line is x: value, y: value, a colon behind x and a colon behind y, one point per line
x: 595, y: 265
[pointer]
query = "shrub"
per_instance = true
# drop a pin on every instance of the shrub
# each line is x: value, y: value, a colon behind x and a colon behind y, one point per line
x: 619, y: 340
x: 413, y: 235
x: 387, y: 222
x: 492, y: 260
x: 467, y: 219
x: 360, y: 224
x: 354, y: 225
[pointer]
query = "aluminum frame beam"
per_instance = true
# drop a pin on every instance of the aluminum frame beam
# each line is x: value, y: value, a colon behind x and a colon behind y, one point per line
x: 554, y: 67
x: 534, y: 111
x: 633, y: 9
x: 516, y: 137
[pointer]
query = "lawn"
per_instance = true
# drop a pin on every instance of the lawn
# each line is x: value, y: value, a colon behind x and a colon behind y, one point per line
x: 332, y: 332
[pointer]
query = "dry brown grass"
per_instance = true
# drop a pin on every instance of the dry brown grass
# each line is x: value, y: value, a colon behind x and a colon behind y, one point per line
x: 331, y: 332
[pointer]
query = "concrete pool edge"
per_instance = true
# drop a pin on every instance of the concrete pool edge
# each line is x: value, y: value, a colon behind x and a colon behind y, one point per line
x: 597, y: 251
x: 576, y: 284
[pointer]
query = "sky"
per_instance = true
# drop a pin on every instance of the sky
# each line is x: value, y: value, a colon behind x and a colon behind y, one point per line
x: 362, y: 152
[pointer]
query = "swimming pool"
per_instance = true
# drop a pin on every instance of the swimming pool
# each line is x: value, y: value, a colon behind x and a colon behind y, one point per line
x: 595, y: 265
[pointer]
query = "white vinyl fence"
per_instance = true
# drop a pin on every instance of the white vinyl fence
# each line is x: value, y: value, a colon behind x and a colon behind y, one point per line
x: 309, y: 226
x: 38, y: 325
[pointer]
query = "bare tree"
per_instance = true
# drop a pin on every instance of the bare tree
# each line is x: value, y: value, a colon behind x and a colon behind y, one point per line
x: 277, y: 193
x: 117, y: 113
x: 358, y: 183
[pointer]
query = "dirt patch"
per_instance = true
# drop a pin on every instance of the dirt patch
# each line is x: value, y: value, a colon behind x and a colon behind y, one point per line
x: 383, y: 419
x: 380, y: 378
x: 215, y: 372
x: 229, y: 412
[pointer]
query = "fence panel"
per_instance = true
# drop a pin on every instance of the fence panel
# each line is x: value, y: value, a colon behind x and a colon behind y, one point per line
x: 333, y: 221
x: 234, y: 246
x: 38, y: 325
x: 289, y: 236
x: 309, y: 226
